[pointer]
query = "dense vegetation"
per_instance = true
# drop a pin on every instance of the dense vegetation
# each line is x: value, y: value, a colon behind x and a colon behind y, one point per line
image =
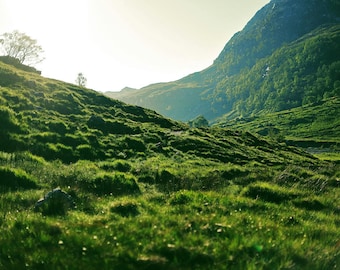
x: 303, y: 72
x: 152, y: 193
x: 285, y: 57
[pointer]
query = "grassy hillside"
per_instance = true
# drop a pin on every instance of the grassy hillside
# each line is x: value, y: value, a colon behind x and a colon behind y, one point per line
x: 152, y: 193
x: 314, y: 127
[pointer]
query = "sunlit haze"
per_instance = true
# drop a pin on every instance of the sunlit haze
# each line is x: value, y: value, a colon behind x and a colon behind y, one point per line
x: 119, y: 43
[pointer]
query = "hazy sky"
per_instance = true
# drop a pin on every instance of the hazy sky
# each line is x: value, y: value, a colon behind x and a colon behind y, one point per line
x: 118, y: 43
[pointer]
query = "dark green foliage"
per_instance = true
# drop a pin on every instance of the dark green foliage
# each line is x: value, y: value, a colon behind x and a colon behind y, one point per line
x: 135, y: 144
x: 16, y: 179
x: 185, y: 257
x: 125, y: 209
x: 167, y: 181
x: 8, y: 78
x: 269, y: 193
x: 198, y: 122
x: 8, y: 121
x: 116, y: 165
x: 74, y: 140
x: 180, y: 198
x: 309, y: 204
x: 58, y: 127
x: 111, y: 184
x: 59, y: 151
x: 113, y: 127
x: 85, y: 151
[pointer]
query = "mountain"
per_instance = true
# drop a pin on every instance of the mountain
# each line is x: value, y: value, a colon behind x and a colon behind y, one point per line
x: 286, y: 56
x: 147, y: 192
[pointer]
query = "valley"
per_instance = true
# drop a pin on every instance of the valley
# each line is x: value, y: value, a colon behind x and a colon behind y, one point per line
x: 233, y: 167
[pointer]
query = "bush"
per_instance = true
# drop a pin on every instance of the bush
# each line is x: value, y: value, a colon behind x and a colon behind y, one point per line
x: 15, y: 179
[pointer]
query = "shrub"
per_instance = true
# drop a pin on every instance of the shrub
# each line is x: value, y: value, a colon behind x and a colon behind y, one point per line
x: 15, y: 179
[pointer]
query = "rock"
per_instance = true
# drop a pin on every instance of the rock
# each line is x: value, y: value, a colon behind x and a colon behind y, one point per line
x: 55, y: 202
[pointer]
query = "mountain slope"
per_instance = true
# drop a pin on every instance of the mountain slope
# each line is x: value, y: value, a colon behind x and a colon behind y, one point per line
x: 316, y: 126
x: 300, y: 73
x: 150, y: 192
x: 56, y: 120
x: 221, y: 88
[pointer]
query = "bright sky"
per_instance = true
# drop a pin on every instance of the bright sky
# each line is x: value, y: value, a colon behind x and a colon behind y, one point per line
x: 118, y: 43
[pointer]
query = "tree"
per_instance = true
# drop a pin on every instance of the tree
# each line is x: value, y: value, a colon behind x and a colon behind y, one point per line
x: 199, y: 122
x: 21, y: 47
x: 81, y: 80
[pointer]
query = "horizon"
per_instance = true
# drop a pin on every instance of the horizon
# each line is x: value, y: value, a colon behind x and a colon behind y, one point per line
x: 130, y: 43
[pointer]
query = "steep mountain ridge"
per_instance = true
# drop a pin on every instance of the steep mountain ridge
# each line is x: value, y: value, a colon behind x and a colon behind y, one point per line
x: 207, y: 92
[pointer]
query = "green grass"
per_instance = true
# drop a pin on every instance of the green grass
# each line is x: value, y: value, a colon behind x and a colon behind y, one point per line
x: 330, y: 156
x: 240, y: 225
x: 152, y: 193
x: 314, y: 127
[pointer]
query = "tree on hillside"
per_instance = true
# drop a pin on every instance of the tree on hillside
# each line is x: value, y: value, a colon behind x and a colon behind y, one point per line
x: 199, y: 122
x: 81, y: 80
x: 21, y: 47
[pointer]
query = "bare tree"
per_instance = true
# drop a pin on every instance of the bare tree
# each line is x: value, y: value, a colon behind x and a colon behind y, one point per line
x: 21, y: 47
x: 81, y: 80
